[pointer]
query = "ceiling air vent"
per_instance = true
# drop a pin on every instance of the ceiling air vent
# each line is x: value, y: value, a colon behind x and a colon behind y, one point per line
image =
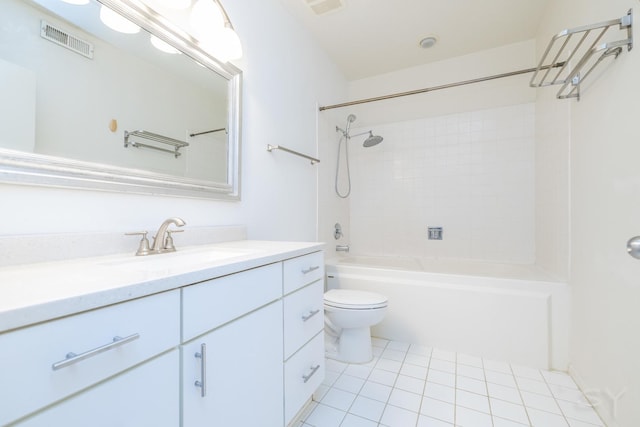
x: 63, y: 38
x: 320, y: 7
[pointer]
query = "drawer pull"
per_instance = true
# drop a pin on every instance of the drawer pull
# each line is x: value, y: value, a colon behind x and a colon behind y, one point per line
x: 310, y: 315
x: 203, y: 370
x: 75, y: 358
x: 310, y: 269
x: 314, y: 369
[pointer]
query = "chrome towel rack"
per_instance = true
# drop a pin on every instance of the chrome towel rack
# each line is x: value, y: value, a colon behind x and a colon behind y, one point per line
x: 584, y: 44
x: 280, y: 147
x: 175, y: 143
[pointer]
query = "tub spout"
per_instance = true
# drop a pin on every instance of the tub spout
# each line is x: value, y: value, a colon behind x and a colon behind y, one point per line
x: 342, y: 248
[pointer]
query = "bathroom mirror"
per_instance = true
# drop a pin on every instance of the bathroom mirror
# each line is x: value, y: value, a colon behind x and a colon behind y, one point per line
x: 85, y: 106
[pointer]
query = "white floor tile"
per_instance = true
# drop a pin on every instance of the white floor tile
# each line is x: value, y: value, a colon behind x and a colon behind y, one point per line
x: 338, y: 399
x: 379, y: 342
x: 510, y: 411
x: 440, y: 377
x: 497, y: 366
x: 367, y: 408
x: 404, y: 399
x: 470, y: 418
x: 389, y: 365
x: 431, y: 422
x: 539, y: 401
x: 398, y: 417
x: 383, y: 377
x: 359, y: 371
x: 580, y: 412
x: 568, y: 394
x: 449, y: 356
x: 501, y: 422
x: 472, y: 385
x: 355, y: 421
x: 320, y: 392
x: 470, y: 371
x: 578, y: 423
x: 335, y: 366
x: 422, y: 350
x: 500, y: 378
x: 399, y: 345
x: 417, y: 359
x: 325, y: 416
x: 393, y: 354
x: 330, y: 377
x: 525, y: 372
x: 442, y: 365
x: 472, y: 401
x: 414, y: 371
x: 440, y: 392
x: 505, y: 393
x: 545, y: 419
x: 533, y: 386
x: 376, y: 391
x: 349, y: 383
x: 414, y: 385
x: 559, y: 378
x: 437, y: 409
x: 377, y: 351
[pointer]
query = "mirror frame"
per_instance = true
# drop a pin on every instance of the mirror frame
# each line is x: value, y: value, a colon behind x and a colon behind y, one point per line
x: 18, y: 167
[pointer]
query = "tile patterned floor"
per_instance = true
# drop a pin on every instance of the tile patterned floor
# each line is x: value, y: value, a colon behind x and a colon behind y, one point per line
x: 415, y: 386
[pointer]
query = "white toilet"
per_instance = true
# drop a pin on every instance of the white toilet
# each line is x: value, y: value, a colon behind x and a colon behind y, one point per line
x: 349, y: 314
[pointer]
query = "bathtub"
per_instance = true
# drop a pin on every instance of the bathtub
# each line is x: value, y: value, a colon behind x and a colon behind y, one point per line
x: 512, y: 313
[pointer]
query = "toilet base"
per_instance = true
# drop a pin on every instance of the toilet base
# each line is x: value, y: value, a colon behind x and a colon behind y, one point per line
x: 353, y: 346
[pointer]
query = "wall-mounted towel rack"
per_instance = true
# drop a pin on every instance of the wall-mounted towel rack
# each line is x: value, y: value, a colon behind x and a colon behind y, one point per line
x: 175, y: 143
x: 280, y: 147
x: 586, y: 46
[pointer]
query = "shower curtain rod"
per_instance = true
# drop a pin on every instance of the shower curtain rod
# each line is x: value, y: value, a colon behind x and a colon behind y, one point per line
x: 434, y: 88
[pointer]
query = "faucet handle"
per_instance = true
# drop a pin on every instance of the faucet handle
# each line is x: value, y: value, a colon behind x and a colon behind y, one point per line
x: 143, y: 249
x: 168, y: 243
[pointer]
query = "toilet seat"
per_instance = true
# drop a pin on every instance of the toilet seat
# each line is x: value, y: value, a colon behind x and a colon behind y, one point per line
x: 354, y: 300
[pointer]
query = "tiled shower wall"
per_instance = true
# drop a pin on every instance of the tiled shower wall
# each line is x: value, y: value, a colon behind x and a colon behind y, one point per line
x: 471, y: 173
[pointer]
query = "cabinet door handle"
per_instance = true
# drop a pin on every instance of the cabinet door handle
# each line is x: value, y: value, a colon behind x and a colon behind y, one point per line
x: 310, y: 315
x: 72, y: 358
x: 310, y: 269
x: 202, y: 354
x: 307, y: 377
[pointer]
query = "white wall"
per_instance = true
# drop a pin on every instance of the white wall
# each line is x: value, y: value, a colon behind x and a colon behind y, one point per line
x: 603, y: 133
x: 462, y: 158
x: 285, y: 75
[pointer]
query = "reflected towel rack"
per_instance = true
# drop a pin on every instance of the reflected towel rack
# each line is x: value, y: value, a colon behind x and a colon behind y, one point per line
x: 177, y: 144
x: 590, y: 57
x: 279, y: 147
x: 208, y: 131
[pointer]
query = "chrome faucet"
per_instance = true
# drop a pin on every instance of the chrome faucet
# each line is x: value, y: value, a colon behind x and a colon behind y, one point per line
x: 163, y: 242
x: 342, y: 248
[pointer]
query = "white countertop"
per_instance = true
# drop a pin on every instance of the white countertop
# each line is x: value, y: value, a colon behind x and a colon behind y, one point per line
x: 33, y: 293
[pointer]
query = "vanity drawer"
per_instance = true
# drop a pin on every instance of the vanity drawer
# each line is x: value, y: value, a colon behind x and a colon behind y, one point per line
x: 303, y: 373
x: 210, y: 304
x: 303, y: 316
x: 40, y: 372
x: 303, y: 270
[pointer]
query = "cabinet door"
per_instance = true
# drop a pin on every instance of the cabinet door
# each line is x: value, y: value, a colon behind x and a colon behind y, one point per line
x: 233, y: 376
x: 147, y: 395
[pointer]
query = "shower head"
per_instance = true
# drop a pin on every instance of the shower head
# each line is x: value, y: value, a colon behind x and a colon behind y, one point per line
x: 350, y: 119
x: 372, y: 140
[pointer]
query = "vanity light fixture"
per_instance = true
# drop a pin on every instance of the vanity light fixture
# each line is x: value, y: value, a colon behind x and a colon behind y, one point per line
x: 172, y: 4
x: 163, y: 46
x: 212, y: 27
x: 117, y: 22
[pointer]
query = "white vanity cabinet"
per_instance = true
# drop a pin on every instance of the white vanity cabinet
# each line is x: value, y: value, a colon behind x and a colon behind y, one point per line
x: 232, y: 375
x: 46, y: 363
x: 304, y: 365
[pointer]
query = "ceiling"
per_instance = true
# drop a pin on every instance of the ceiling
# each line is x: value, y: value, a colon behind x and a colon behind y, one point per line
x: 371, y: 37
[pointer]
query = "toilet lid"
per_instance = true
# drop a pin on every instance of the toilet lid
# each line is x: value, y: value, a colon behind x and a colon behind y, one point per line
x: 347, y: 298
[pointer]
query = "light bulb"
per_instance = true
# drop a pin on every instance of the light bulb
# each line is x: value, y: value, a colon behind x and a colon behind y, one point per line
x: 117, y: 22
x: 231, y: 43
x: 206, y: 19
x: 162, y: 45
x: 170, y: 4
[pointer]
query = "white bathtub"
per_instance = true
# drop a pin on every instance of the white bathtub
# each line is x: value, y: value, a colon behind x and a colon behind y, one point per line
x: 503, y: 312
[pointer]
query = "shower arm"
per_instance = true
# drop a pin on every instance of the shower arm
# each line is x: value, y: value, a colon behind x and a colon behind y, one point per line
x: 345, y: 133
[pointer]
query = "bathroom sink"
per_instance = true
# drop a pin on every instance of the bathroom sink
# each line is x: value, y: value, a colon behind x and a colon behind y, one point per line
x: 176, y: 260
